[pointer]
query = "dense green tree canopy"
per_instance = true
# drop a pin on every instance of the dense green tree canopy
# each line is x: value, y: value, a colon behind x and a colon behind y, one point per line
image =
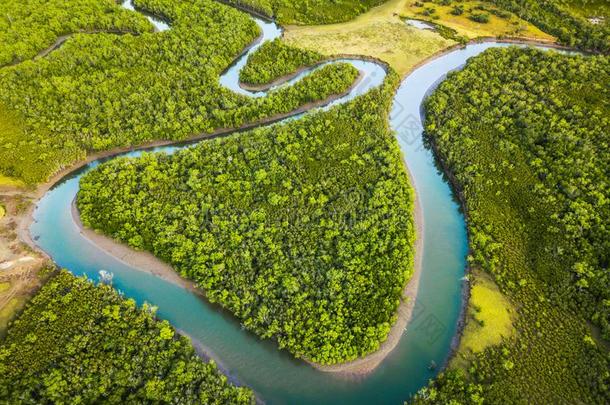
x: 557, y: 17
x: 309, y: 11
x: 80, y: 343
x: 524, y: 135
x: 304, y: 231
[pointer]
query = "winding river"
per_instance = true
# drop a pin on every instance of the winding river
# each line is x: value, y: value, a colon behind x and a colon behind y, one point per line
x: 273, y: 374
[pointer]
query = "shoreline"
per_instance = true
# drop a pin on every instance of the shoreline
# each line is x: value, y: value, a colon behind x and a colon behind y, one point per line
x: 140, y: 260
x: 483, y: 40
x: 203, y: 352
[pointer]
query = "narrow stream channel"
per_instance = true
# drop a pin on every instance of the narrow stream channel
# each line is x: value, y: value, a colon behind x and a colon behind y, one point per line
x: 273, y: 374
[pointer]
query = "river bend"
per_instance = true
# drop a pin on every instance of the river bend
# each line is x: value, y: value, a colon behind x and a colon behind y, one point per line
x: 274, y: 374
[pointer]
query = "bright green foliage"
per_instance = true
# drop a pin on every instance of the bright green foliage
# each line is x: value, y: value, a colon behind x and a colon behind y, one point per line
x: 78, y: 343
x: 524, y: 135
x: 450, y: 387
x: 274, y: 60
x: 30, y: 26
x: 304, y: 231
x: 309, y: 11
x: 102, y: 91
x: 557, y: 17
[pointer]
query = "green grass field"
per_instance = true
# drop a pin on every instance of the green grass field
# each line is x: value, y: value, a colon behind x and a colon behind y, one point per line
x: 440, y: 12
x: 490, y: 318
x: 379, y: 33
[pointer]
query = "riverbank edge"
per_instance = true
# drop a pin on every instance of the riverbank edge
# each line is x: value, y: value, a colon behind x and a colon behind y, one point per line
x: 203, y: 353
x: 453, y: 183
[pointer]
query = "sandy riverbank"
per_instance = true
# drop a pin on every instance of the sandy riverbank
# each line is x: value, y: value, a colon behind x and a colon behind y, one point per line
x: 141, y: 260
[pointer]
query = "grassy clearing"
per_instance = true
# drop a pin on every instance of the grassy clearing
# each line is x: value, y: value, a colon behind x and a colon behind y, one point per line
x: 379, y: 33
x: 490, y: 317
x: 4, y: 286
x: 8, y: 311
x: 10, y: 182
x: 497, y: 26
x: 2, y: 214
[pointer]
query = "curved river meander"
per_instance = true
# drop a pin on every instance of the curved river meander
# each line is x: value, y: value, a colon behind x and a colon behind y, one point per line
x: 274, y: 374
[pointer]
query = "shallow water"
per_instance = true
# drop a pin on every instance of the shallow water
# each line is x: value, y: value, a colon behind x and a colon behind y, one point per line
x: 158, y: 23
x: 422, y: 25
x: 274, y: 374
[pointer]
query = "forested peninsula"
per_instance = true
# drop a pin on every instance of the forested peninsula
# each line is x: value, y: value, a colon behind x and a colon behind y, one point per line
x: 304, y: 231
x: 274, y: 60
